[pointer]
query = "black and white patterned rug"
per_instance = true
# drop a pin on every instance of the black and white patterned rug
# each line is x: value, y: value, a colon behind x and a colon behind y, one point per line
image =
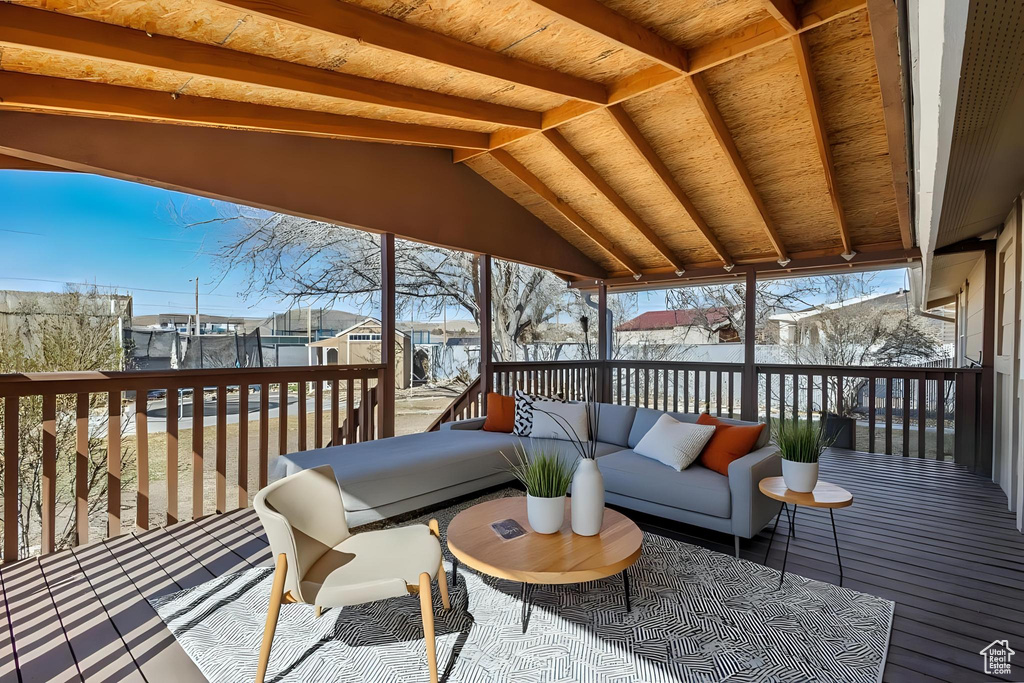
x: 697, y: 615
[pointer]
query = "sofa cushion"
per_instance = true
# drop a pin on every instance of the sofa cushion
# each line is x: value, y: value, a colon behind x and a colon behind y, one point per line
x: 554, y: 420
x: 501, y: 413
x: 674, y: 443
x: 613, y: 422
x: 646, y: 417
x: 696, y: 488
x: 376, y: 473
x: 729, y: 442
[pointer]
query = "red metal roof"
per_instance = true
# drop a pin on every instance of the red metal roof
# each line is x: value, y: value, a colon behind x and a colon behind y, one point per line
x: 667, y: 320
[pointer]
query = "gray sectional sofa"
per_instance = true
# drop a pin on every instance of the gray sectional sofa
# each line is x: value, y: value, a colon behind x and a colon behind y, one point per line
x: 384, y: 478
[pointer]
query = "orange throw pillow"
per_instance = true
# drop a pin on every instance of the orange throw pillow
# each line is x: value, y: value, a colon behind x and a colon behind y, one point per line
x: 501, y: 413
x: 729, y: 442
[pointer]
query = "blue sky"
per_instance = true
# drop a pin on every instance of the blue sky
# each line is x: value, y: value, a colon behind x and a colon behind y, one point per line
x: 79, y: 228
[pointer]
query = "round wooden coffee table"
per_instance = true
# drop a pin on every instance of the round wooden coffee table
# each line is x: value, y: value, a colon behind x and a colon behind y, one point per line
x: 561, y: 557
x: 824, y: 495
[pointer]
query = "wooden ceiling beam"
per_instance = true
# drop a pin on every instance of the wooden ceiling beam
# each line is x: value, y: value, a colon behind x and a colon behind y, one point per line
x: 632, y: 134
x: 803, y: 60
x: 766, y: 32
x: 9, y: 163
x: 599, y: 19
x: 534, y: 183
x: 590, y: 173
x: 883, y: 17
x: 341, y: 19
x: 24, y: 92
x: 784, y: 12
x: 732, y: 154
x: 53, y: 33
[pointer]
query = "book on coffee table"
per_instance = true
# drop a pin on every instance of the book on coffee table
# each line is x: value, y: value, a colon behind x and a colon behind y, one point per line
x: 508, y: 529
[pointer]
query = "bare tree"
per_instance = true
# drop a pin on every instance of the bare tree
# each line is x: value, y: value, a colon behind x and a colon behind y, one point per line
x: 298, y: 258
x: 74, y: 333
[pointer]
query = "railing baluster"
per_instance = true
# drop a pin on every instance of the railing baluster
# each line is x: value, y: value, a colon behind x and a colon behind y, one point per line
x: 675, y: 391
x: 768, y: 399
x: 718, y: 395
x: 824, y: 398
x: 282, y: 418
x: 922, y: 418
x: 171, y: 399
x: 732, y: 379
x: 12, y: 512
x: 142, y: 457
x: 940, y: 418
x: 905, y: 415
x: 796, y: 398
x: 48, y: 486
x: 222, y: 448
x: 350, y: 411
x: 337, y: 437
x: 707, y: 390
x: 264, y: 433
x: 871, y: 413
x: 810, y: 397
x: 686, y: 391
x: 198, y: 455
x: 82, y: 469
x: 318, y: 414
x: 302, y: 407
x: 888, y: 415
x: 782, y: 397
x: 113, y: 463
x: 647, y: 381
x: 243, y: 445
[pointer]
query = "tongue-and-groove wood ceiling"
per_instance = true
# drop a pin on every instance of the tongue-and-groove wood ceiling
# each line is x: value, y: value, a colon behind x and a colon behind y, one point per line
x: 655, y: 136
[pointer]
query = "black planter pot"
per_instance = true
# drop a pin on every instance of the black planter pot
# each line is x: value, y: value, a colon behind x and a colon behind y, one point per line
x: 840, y: 430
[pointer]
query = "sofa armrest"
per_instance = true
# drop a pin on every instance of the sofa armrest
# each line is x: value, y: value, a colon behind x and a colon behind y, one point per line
x: 751, y: 509
x: 471, y: 423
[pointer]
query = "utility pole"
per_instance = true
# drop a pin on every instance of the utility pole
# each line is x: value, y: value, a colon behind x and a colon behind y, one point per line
x: 198, y: 328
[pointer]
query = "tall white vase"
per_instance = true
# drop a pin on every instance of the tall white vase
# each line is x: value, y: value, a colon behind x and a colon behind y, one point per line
x: 587, y: 499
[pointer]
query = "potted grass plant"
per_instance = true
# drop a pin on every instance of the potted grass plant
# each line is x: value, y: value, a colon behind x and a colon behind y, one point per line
x: 800, y: 445
x: 547, y: 479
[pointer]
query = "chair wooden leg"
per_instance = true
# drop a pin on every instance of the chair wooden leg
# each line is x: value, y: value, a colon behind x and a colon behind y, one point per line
x: 276, y: 594
x: 319, y: 611
x: 442, y: 578
x: 427, y: 610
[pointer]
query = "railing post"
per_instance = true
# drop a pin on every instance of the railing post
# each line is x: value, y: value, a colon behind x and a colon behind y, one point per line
x: 986, y: 417
x: 486, y: 336
x: 748, y: 395
x: 604, y: 385
x: 386, y: 393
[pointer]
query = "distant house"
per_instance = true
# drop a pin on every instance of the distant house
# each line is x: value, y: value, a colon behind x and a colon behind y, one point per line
x: 360, y: 343
x: 805, y: 327
x: 686, y: 326
x: 25, y: 315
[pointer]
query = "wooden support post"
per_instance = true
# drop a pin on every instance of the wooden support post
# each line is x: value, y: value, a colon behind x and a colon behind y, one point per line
x: 983, y: 462
x: 604, y: 385
x: 748, y: 395
x: 486, y: 336
x: 386, y: 394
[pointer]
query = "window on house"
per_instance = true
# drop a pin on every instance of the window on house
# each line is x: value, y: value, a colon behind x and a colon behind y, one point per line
x: 364, y: 337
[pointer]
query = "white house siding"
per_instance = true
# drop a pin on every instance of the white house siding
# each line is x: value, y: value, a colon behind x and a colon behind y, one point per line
x: 1006, y: 463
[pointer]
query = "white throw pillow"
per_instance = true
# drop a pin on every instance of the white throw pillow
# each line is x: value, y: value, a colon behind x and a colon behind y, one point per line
x: 556, y: 420
x: 674, y: 443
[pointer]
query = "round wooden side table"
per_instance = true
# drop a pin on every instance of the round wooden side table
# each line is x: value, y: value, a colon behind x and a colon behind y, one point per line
x: 542, y: 559
x: 824, y: 495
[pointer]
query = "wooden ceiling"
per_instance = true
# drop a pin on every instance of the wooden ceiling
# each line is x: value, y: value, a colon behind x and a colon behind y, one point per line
x: 655, y: 136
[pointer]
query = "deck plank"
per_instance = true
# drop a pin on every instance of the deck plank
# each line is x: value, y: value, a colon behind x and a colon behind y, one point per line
x: 44, y: 654
x: 134, y: 577
x: 94, y: 639
x: 8, y: 663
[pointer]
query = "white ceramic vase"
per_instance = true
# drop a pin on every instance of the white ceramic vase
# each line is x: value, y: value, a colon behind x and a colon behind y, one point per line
x: 801, y: 477
x: 587, y: 499
x: 545, y: 514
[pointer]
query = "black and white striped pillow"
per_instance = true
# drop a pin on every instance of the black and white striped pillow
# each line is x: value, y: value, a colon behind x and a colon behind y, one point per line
x: 522, y: 425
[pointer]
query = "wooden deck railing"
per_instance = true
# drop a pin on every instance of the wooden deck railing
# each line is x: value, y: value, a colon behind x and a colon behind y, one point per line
x: 41, y: 409
x: 466, y: 405
x: 919, y: 411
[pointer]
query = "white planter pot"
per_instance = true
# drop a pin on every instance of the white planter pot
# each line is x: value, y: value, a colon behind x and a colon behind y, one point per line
x: 801, y: 477
x: 587, y: 499
x: 545, y: 514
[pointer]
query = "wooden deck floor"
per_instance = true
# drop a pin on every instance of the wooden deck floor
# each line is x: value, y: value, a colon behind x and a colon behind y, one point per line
x: 926, y: 534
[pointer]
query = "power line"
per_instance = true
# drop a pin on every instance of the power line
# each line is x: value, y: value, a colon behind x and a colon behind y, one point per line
x: 94, y: 284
